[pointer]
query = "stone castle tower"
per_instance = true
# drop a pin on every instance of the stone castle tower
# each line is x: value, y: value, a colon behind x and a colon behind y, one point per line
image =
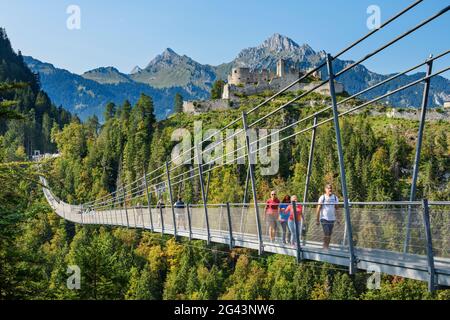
x: 281, y: 68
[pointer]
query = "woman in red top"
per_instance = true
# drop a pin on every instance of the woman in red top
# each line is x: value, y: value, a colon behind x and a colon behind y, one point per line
x: 272, y: 207
x: 291, y: 221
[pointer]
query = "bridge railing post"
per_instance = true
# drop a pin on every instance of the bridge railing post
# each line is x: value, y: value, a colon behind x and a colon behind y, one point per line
x: 308, y: 174
x: 202, y: 188
x: 188, y: 208
x: 169, y: 185
x: 415, y: 176
x: 149, y: 198
x: 114, y: 209
x: 104, y: 217
x: 244, y: 206
x: 352, y: 266
x: 430, y: 255
x: 125, y: 206
x: 100, y: 215
x: 161, y: 217
x: 108, y: 216
x: 253, y: 182
x: 296, y: 228
x: 310, y: 160
x: 91, y: 215
x: 208, y: 180
x: 96, y: 216
x: 230, y: 225
x: 119, y: 204
x: 135, y: 213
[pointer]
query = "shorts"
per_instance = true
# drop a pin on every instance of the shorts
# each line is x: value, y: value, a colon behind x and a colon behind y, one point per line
x: 179, y: 213
x: 327, y: 227
x: 271, y: 220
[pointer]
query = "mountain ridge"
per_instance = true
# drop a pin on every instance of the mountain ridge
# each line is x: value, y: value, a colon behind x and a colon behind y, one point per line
x: 170, y: 72
x: 86, y: 97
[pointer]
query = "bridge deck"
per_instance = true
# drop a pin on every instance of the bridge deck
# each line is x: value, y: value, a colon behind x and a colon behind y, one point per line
x: 413, y: 266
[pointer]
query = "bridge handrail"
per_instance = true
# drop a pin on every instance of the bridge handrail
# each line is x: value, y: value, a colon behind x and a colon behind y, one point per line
x: 321, y: 65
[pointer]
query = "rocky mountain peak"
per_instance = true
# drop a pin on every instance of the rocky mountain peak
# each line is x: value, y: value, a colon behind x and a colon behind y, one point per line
x: 136, y: 69
x: 278, y: 43
x: 169, y: 52
x: 167, y: 58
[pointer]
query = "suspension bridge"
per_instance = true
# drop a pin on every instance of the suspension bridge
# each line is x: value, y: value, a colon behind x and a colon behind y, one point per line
x: 409, y: 238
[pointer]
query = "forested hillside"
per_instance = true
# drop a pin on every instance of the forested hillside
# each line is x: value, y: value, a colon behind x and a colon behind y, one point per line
x: 21, y: 88
x: 133, y: 264
x: 378, y: 153
x: 36, y: 246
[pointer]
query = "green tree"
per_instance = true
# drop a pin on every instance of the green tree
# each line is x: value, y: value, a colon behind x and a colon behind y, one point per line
x: 98, y: 255
x: 217, y: 89
x: 141, y: 285
x: 178, y: 103
x: 110, y: 111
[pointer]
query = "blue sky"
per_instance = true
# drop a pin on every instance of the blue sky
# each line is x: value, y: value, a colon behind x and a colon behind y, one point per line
x: 128, y: 33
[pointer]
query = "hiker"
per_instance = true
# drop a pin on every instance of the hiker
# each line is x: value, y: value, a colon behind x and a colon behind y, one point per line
x: 283, y: 218
x: 291, y: 221
x: 272, y: 206
x: 180, y: 212
x: 326, y: 213
x: 160, y: 206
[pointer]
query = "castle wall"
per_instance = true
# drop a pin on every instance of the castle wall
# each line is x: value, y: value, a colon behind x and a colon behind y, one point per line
x: 243, y: 76
x: 233, y: 92
x: 240, y: 76
x: 281, y: 68
x: 201, y: 106
x: 325, y: 88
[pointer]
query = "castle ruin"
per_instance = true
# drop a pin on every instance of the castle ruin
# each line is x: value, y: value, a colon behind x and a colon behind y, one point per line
x: 244, y: 76
x: 243, y: 81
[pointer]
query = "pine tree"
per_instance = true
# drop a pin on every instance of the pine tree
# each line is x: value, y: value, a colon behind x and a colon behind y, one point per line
x: 110, y: 111
x: 178, y: 103
x: 140, y: 285
x: 103, y: 274
x: 217, y: 89
x: 343, y: 288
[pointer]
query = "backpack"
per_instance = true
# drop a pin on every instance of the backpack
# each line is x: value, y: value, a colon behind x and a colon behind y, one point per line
x: 323, y: 201
x: 335, y: 198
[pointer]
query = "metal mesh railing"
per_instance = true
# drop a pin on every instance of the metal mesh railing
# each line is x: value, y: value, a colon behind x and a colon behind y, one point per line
x: 440, y: 230
x: 392, y: 227
x: 375, y: 225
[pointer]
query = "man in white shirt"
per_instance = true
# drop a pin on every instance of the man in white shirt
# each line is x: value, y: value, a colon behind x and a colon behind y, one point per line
x: 326, y: 213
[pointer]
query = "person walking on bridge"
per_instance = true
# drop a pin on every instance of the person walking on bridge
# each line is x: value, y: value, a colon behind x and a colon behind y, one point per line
x: 272, y: 207
x: 284, y: 217
x: 291, y: 222
x: 326, y: 213
x: 180, y: 213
